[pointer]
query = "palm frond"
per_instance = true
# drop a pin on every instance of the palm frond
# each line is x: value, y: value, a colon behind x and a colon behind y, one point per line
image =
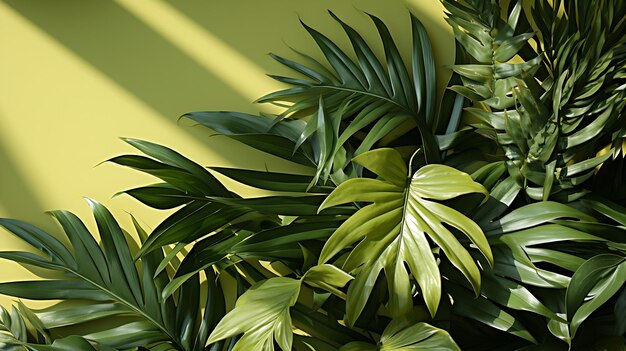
x: 349, y: 109
x: 105, y: 275
x: 223, y: 227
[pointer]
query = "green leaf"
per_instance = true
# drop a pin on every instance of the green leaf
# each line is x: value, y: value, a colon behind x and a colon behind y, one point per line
x: 511, y: 46
x: 513, y: 262
x: 560, y: 329
x: 262, y: 316
x: 593, y: 284
x: 423, y: 65
x: 33, y: 324
x: 20, y: 326
x: 480, y: 73
x: 276, y: 243
x: 392, y: 230
x: 344, y: 67
x: 169, y: 157
x: 70, y: 343
x: 306, y: 205
x: 160, y: 196
x: 377, y: 78
x: 535, y: 214
x: 117, y: 253
x: 53, y: 289
x: 106, y: 277
x: 400, y: 335
x: 55, y: 317
x: 259, y: 132
x: 327, y: 277
x: 128, y: 335
x: 488, y: 313
x: 608, y: 208
x: 40, y: 240
x: 272, y: 180
x: 513, y: 295
x: 323, y: 327
x: 192, y: 222
x: 367, y: 92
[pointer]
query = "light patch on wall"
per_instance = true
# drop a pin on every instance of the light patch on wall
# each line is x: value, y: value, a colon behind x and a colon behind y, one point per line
x: 75, y: 114
x: 206, y: 49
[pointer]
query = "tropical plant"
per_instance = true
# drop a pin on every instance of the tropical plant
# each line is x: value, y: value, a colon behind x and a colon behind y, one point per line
x: 494, y: 219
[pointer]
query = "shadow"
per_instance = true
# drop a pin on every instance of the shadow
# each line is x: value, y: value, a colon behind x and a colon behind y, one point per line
x: 139, y: 60
x: 144, y: 63
x: 17, y: 199
x: 255, y: 28
x: 120, y: 46
x: 156, y: 71
x: 276, y: 22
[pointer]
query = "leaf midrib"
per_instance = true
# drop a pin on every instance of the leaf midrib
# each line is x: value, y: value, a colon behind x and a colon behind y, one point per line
x: 127, y: 304
x: 406, y: 194
x: 362, y: 92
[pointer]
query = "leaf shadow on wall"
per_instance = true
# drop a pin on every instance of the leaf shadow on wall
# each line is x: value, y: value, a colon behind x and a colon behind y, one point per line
x: 157, y: 72
x: 139, y: 60
x: 255, y: 28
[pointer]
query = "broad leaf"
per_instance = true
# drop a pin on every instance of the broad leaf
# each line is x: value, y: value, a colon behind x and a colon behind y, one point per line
x: 262, y: 316
x: 402, y: 336
x: 393, y: 230
x: 327, y: 277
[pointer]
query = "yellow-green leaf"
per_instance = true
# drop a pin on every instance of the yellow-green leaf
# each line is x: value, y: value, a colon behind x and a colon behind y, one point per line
x: 261, y: 314
x: 393, y: 230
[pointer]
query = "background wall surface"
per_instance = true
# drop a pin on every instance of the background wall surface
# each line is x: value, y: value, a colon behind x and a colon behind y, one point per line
x: 76, y: 75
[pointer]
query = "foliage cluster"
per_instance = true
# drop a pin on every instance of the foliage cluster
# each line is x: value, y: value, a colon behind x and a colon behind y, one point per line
x: 493, y: 219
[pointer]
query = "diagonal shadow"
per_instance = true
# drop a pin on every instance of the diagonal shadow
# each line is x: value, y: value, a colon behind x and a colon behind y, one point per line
x: 277, y: 22
x: 139, y: 60
x: 243, y: 23
x: 17, y: 198
x: 147, y: 65
x: 125, y: 50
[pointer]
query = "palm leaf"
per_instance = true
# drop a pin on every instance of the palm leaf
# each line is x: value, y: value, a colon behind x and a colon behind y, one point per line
x: 106, y: 275
x: 224, y: 228
x: 378, y: 98
x: 21, y: 327
x: 260, y: 132
x: 190, y: 185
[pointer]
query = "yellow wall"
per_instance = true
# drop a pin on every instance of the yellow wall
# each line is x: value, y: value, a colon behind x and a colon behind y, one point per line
x: 76, y: 75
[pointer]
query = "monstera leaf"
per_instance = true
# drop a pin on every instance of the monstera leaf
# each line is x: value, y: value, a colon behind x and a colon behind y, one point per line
x: 394, y: 230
